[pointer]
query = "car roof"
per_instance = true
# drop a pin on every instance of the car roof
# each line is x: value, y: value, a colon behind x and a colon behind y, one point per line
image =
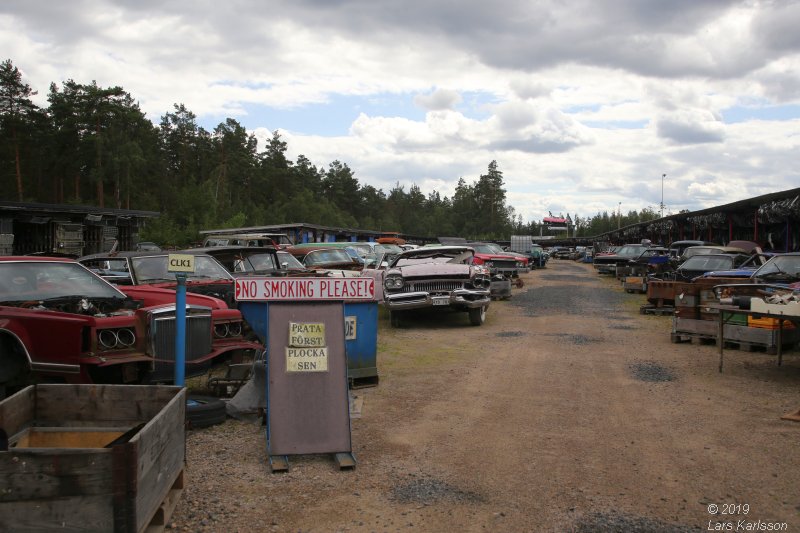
x: 39, y: 258
x: 720, y: 248
x: 424, y: 250
x: 211, y: 250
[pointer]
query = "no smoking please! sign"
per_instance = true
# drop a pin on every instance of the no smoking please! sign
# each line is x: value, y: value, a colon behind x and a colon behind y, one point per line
x: 304, y: 289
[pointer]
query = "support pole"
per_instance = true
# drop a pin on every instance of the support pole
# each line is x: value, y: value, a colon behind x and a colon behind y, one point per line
x: 180, y: 330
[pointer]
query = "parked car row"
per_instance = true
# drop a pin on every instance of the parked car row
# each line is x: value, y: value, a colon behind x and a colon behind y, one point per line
x: 62, y: 321
x: 682, y: 261
x: 110, y: 317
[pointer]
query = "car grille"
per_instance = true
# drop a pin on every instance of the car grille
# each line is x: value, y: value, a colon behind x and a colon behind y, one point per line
x: 432, y: 286
x: 198, y: 333
x: 503, y: 264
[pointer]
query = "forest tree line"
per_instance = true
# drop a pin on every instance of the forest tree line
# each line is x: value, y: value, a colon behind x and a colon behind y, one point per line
x: 92, y: 145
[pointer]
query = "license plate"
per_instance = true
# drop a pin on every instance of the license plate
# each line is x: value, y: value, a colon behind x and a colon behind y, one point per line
x: 441, y: 300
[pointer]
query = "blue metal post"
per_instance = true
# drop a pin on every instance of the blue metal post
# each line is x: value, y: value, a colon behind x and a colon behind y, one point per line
x: 180, y: 329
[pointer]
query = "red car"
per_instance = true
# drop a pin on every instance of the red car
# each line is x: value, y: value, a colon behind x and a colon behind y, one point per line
x: 60, y: 321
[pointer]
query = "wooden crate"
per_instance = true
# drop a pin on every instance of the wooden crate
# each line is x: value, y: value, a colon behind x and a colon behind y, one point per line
x: 634, y: 284
x: 661, y: 293
x: 63, y: 471
x: 744, y: 337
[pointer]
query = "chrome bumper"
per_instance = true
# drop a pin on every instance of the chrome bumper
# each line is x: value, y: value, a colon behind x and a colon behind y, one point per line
x: 460, y: 298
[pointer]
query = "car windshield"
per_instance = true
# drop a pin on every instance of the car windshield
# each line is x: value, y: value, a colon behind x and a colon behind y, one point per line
x: 483, y: 248
x: 254, y: 262
x: 153, y: 269
x: 780, y: 268
x: 389, y: 248
x: 707, y: 263
x: 41, y: 280
x: 631, y: 250
x: 433, y: 256
x: 699, y: 250
x: 106, y: 264
x: 289, y: 261
x: 322, y: 257
x: 496, y: 248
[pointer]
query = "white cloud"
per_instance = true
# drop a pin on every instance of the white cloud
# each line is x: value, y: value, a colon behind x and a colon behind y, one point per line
x: 583, y: 104
x: 438, y: 100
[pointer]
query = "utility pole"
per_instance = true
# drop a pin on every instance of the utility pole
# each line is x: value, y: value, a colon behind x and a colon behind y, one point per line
x: 619, y: 215
x: 662, y: 194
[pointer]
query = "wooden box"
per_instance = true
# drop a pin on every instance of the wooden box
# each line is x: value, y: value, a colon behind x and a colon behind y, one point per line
x: 91, y: 457
x: 661, y: 292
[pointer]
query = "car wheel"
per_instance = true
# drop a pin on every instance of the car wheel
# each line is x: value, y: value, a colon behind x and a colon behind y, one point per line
x: 13, y: 368
x: 204, y: 411
x: 477, y: 316
x: 394, y: 318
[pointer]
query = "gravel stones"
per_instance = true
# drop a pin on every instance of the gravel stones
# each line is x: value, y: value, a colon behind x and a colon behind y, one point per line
x: 511, y: 334
x: 568, y: 299
x: 651, y: 372
x: 613, y: 522
x: 427, y: 490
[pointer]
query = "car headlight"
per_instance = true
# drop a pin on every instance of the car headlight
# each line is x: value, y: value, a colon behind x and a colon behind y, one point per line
x: 482, y: 281
x: 481, y: 270
x: 110, y: 339
x: 393, y: 282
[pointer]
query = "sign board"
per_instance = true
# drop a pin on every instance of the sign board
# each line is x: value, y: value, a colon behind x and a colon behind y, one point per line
x: 306, y: 359
x: 306, y: 351
x: 180, y: 263
x: 304, y: 289
x: 304, y: 335
x: 350, y: 324
x: 307, y: 394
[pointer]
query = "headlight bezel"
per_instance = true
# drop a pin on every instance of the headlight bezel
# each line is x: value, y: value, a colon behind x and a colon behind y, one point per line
x: 393, y: 282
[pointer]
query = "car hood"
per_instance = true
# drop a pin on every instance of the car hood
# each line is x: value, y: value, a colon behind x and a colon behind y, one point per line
x: 152, y: 295
x: 431, y: 269
x: 495, y: 257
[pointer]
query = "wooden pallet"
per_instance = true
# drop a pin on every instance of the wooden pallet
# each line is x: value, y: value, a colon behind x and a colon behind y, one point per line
x: 660, y: 310
x: 164, y: 512
x: 695, y: 338
x: 735, y: 336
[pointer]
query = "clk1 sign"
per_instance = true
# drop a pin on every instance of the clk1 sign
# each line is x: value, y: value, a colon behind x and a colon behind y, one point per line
x: 304, y: 289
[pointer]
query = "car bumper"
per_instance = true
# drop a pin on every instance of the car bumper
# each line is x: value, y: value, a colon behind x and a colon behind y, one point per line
x: 461, y: 298
x: 606, y: 268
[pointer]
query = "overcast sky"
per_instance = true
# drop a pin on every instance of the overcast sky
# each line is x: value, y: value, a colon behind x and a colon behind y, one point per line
x: 583, y: 104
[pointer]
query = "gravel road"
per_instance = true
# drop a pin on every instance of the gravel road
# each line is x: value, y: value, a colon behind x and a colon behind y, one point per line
x: 566, y: 411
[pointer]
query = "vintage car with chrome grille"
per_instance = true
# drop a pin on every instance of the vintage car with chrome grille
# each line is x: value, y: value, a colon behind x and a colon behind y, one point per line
x: 61, y: 322
x: 439, y: 276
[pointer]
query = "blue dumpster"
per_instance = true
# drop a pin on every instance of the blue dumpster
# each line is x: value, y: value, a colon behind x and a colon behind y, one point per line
x: 361, y: 342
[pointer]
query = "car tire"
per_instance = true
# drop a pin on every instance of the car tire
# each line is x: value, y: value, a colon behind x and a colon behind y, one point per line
x: 477, y: 316
x: 204, y: 411
x: 394, y: 318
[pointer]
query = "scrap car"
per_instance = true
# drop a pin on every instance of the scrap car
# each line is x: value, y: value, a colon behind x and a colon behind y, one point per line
x: 59, y: 321
x: 330, y: 260
x: 607, y: 264
x: 443, y: 277
x: 152, y: 268
x: 241, y: 261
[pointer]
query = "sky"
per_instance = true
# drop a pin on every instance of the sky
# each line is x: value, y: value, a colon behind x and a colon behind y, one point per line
x: 587, y: 106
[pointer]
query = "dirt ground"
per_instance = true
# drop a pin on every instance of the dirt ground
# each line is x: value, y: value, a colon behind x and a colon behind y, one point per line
x: 566, y: 411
